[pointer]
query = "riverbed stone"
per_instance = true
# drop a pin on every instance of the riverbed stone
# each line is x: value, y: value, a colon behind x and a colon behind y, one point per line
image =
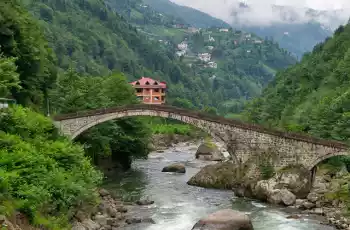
x: 101, y: 219
x: 287, y: 197
x: 144, y: 202
x: 78, y: 226
x: 225, y: 219
x: 209, y: 151
x: 296, y: 179
x: 313, y: 197
x: 177, y: 168
x: 308, y: 205
x: 103, y: 192
x: 90, y: 225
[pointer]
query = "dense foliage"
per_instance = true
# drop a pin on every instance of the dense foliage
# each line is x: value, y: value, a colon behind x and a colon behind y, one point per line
x: 245, y: 64
x: 312, y: 96
x: 42, y: 174
x: 123, y: 139
x: 21, y: 38
x: 191, y: 16
x: 96, y: 41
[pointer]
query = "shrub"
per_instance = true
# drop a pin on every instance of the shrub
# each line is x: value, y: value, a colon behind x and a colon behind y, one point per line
x: 45, y: 176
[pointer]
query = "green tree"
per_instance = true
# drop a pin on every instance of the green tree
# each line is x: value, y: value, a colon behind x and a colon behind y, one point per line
x: 21, y: 38
x: 9, y: 78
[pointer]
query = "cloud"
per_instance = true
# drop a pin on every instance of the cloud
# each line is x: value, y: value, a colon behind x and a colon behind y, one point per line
x: 331, y: 13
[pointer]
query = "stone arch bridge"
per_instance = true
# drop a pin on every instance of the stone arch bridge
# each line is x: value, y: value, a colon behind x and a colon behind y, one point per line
x: 246, y: 142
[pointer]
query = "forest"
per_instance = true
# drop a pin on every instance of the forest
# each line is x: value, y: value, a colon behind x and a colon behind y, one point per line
x: 312, y: 96
x: 95, y: 40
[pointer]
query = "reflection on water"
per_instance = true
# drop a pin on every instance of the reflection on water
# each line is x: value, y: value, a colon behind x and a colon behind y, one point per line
x: 179, y: 206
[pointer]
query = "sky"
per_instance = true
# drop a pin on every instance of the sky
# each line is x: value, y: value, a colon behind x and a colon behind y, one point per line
x: 261, y: 12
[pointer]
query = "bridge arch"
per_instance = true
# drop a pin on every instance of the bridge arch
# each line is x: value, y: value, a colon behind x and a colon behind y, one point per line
x: 74, y: 124
x: 245, y: 140
x: 318, y: 160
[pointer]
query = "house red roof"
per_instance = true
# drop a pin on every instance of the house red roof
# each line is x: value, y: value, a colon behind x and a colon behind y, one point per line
x: 149, y: 82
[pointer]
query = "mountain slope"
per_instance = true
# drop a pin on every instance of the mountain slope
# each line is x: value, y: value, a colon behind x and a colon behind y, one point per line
x: 192, y: 16
x: 96, y: 41
x: 296, y: 29
x: 296, y: 38
x: 313, y: 96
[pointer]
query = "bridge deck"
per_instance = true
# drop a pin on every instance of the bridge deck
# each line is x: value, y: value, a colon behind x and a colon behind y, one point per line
x: 207, y: 117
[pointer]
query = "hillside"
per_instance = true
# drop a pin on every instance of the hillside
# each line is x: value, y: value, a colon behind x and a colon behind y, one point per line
x: 151, y: 23
x: 296, y: 38
x: 295, y: 26
x: 237, y: 64
x: 296, y: 30
x: 190, y: 15
x: 312, y: 96
x: 96, y: 41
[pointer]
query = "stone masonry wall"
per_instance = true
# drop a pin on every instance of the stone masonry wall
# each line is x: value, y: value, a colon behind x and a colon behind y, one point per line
x: 247, y: 142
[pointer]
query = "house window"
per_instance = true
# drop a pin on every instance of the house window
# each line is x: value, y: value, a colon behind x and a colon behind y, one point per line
x: 139, y: 90
x: 147, y: 83
x: 155, y: 83
x: 156, y: 98
x: 156, y: 90
x: 137, y: 83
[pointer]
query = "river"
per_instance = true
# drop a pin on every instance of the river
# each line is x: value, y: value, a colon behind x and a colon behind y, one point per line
x: 178, y: 206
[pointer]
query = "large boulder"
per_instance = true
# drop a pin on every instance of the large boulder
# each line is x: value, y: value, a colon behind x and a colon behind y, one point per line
x: 264, y: 189
x: 226, y: 219
x: 177, y: 168
x: 287, y: 197
x: 281, y: 196
x: 220, y: 175
x: 296, y: 179
x: 209, y: 151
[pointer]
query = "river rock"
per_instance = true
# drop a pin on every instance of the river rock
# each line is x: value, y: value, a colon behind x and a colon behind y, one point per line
x: 122, y: 209
x: 137, y: 220
x: 209, y: 151
x: 177, y: 168
x: 90, y: 225
x: 281, y: 196
x: 308, y: 205
x: 78, y: 226
x: 264, y: 189
x: 226, y: 219
x: 144, y: 202
x: 312, y: 197
x: 294, y: 178
x: 103, y: 192
x: 219, y: 175
x: 101, y: 219
x: 287, y: 197
x: 294, y: 216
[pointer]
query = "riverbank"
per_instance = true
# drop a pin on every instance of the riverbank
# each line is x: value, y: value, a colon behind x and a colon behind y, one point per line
x: 178, y: 206
x: 289, y: 187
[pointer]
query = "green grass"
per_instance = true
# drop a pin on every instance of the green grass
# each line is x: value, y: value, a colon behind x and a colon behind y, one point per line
x: 181, y: 129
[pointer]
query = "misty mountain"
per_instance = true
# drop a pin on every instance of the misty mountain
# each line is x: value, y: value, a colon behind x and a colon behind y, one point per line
x: 190, y: 15
x: 296, y: 29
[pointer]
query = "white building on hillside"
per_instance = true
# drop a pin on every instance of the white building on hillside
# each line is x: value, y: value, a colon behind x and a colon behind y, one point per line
x: 182, y: 46
x: 223, y: 30
x: 204, y: 57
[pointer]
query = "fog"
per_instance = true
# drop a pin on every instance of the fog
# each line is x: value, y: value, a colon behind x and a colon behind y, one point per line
x: 331, y: 13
